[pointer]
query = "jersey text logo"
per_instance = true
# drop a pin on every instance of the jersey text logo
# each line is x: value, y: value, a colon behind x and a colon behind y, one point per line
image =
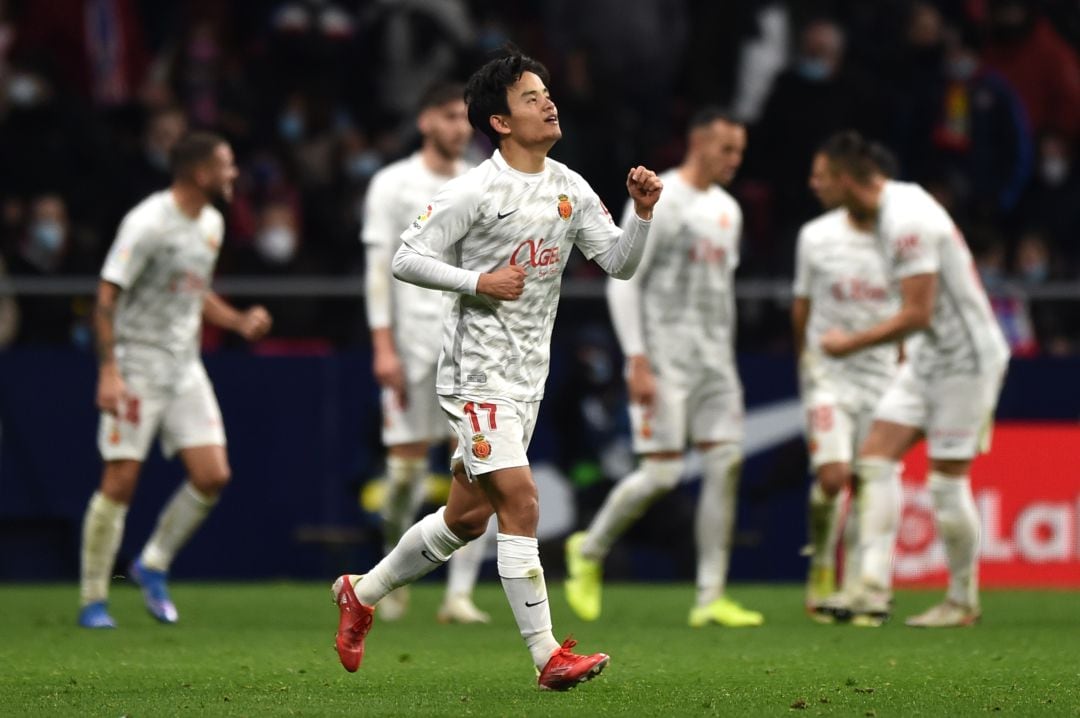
x: 545, y: 259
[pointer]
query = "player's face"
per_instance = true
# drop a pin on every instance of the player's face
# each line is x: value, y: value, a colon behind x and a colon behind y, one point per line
x: 447, y: 128
x: 719, y: 147
x: 533, y: 118
x: 732, y: 147
x: 826, y: 183
x: 216, y: 176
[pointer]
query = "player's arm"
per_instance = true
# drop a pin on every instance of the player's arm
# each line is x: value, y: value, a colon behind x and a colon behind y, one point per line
x: 917, y: 294
x: 800, y: 289
x: 379, y: 228
x: 424, y: 245
x: 252, y: 323
x: 800, y: 314
x: 110, y: 388
x: 619, y: 251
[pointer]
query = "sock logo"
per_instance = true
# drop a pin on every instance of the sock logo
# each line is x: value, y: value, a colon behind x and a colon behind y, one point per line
x: 425, y: 554
x: 530, y: 605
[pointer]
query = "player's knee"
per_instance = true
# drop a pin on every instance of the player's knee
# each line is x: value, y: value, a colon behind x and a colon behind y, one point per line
x: 211, y: 482
x: 118, y: 480
x: 833, y: 478
x: 470, y: 525
x: 662, y: 474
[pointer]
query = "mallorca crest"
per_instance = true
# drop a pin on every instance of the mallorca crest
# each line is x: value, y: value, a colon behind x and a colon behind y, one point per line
x: 481, y: 447
x: 565, y: 208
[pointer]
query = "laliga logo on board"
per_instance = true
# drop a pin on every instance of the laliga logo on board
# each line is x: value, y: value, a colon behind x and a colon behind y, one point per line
x: 545, y: 259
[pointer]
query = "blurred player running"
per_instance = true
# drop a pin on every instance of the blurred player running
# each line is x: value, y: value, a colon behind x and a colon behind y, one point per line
x: 406, y: 333
x: 948, y: 388
x: 499, y: 237
x: 152, y: 298
x: 675, y: 320
x: 840, y: 281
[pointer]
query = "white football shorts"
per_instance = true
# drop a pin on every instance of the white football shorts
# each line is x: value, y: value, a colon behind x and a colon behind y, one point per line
x: 834, y: 431
x: 492, y: 434
x: 956, y: 412
x: 185, y: 412
x: 421, y: 419
x: 706, y: 411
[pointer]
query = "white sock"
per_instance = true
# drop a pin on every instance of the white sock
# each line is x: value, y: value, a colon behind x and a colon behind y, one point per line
x: 823, y: 524
x: 404, y: 495
x: 852, y: 549
x: 424, y: 547
x: 627, y: 502
x: 103, y: 529
x: 715, y: 520
x: 957, y: 521
x: 879, y: 519
x: 523, y: 581
x: 465, y: 564
x: 184, y: 513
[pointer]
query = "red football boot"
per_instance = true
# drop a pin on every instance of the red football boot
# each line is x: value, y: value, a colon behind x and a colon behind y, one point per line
x: 353, y: 625
x: 565, y: 669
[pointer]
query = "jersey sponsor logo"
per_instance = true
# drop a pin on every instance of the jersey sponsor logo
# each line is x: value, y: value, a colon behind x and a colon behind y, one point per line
x: 481, y: 447
x: 545, y: 259
x: 422, y: 217
x: 186, y: 282
x: 705, y: 252
x: 855, y: 289
x: 565, y: 208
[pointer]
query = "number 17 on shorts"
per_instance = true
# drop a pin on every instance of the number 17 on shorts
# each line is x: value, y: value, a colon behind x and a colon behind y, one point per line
x: 492, y: 434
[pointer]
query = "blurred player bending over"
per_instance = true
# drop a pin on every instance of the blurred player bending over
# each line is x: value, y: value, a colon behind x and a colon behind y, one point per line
x: 406, y: 333
x: 948, y: 388
x: 152, y: 298
x: 840, y: 281
x: 499, y: 237
x: 675, y: 320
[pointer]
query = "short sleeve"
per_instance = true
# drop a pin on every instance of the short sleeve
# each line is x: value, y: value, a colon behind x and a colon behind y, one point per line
x: 801, y: 286
x: 597, y: 230
x: 380, y: 225
x: 445, y: 220
x: 130, y: 251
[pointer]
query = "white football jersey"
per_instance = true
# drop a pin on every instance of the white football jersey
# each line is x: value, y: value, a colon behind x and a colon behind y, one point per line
x: 490, y: 217
x: 918, y: 237
x: 397, y: 195
x: 163, y: 261
x: 687, y: 280
x: 840, y: 269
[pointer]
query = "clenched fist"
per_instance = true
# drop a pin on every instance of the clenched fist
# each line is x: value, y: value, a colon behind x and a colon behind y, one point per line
x: 644, y: 188
x: 504, y: 283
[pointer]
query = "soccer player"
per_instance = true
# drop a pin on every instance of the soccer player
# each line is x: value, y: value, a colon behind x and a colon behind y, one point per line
x: 840, y: 281
x: 153, y: 296
x: 947, y: 389
x: 675, y: 320
x: 499, y: 236
x: 406, y: 333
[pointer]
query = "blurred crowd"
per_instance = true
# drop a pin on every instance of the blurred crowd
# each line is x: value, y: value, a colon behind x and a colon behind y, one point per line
x: 979, y: 99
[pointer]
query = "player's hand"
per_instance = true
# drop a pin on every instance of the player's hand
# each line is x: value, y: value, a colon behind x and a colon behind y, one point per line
x: 504, y: 283
x: 644, y: 188
x: 837, y: 343
x: 390, y: 375
x: 640, y: 382
x: 110, y: 390
x: 254, y: 323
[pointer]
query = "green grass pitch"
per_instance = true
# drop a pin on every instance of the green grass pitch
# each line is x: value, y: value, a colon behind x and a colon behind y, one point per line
x: 266, y: 650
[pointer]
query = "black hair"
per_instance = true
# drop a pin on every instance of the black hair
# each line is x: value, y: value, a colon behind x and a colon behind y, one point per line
x: 193, y: 149
x: 485, y: 92
x: 441, y: 93
x: 884, y: 160
x: 849, y: 151
x: 705, y: 116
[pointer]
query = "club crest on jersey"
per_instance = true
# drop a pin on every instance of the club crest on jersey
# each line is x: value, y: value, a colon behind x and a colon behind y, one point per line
x: 565, y: 208
x: 481, y: 447
x: 423, y: 217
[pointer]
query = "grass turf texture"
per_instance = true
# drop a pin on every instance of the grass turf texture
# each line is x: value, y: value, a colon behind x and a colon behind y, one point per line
x: 266, y: 650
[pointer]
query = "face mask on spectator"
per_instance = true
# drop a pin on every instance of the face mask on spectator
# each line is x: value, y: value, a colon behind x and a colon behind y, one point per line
x: 1054, y: 170
x: 291, y: 126
x: 47, y: 235
x: 276, y: 244
x: 813, y: 69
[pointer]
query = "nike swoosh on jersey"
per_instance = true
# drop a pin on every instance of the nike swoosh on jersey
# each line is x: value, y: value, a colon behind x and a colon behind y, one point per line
x: 504, y: 215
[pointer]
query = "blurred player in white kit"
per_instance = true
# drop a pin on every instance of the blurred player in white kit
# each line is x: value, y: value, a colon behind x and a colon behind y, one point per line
x: 499, y: 236
x: 947, y: 390
x: 153, y: 296
x: 406, y: 334
x: 840, y: 281
x: 675, y: 320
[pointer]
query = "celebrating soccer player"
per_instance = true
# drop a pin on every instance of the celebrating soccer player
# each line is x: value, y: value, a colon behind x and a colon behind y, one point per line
x: 498, y: 237
x: 152, y: 298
